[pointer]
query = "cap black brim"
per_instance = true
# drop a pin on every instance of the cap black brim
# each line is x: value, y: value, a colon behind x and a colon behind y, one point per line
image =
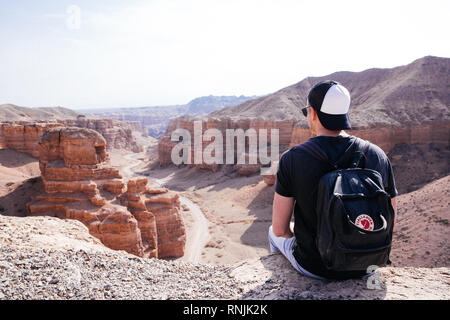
x: 334, y: 121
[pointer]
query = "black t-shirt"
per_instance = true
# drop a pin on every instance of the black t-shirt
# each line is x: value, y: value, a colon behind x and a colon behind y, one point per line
x: 298, y: 176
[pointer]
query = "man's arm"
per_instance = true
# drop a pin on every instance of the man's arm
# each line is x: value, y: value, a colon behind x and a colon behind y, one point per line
x: 394, y: 205
x: 281, y: 216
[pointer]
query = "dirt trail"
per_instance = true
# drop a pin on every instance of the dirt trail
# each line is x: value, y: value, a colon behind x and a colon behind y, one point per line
x: 199, y: 235
x: 196, y: 241
x: 126, y: 171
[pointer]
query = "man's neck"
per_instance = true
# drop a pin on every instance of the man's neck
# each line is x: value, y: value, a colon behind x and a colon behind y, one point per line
x: 330, y: 133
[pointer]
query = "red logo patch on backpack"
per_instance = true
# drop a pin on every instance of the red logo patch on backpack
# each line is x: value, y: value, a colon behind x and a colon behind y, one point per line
x: 364, y: 222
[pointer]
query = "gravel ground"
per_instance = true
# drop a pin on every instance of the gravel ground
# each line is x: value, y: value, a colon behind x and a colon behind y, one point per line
x: 49, y: 258
x: 74, y: 265
x: 272, y: 277
x: 77, y: 274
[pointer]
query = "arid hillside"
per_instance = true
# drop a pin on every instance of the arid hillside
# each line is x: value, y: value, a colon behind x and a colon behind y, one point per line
x: 416, y: 93
x: 10, y: 112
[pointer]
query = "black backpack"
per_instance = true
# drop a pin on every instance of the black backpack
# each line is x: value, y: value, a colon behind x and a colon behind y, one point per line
x: 355, y: 216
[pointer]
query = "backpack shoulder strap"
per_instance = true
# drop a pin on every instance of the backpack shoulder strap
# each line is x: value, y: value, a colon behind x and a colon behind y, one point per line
x: 355, y: 155
x: 314, y: 150
x: 355, y: 152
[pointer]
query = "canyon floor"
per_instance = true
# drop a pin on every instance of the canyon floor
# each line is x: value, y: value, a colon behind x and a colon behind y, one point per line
x: 237, y: 209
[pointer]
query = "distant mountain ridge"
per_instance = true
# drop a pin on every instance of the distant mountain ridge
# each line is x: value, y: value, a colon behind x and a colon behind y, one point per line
x: 207, y: 104
x: 156, y: 118
x: 10, y: 112
x: 415, y: 93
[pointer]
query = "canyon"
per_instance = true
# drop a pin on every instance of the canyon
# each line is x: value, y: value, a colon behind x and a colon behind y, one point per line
x: 216, y: 215
x: 80, y: 184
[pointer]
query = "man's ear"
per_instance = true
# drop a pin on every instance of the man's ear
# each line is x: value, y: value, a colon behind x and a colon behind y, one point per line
x: 314, y: 114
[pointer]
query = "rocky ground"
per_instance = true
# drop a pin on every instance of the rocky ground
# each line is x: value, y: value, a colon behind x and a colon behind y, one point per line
x: 272, y: 277
x: 50, y: 258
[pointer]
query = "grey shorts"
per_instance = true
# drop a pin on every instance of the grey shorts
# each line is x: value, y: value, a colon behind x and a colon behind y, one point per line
x: 284, y: 245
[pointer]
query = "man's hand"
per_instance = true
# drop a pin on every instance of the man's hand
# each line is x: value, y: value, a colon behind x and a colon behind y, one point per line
x: 281, y: 216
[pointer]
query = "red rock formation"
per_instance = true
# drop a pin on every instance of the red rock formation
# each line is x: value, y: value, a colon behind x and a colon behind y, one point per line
x: 3, y: 143
x: 388, y: 136
x: 117, y: 133
x: 157, y: 210
x: 23, y: 136
x: 134, y: 126
x: 165, y: 145
x: 270, y: 174
x: 80, y: 184
x: 269, y: 179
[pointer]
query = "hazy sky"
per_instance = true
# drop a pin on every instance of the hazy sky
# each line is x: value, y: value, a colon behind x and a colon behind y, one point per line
x: 109, y: 53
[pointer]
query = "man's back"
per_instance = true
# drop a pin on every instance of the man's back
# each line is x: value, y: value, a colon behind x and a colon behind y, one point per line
x: 298, y: 176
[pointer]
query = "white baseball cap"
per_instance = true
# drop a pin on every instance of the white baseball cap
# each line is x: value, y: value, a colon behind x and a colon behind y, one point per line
x: 331, y: 100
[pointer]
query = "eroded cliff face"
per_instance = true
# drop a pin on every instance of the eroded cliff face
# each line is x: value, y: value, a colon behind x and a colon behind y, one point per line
x: 80, y: 184
x: 388, y: 137
x: 295, y: 132
x: 23, y: 136
x: 118, y: 134
x: 222, y: 125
